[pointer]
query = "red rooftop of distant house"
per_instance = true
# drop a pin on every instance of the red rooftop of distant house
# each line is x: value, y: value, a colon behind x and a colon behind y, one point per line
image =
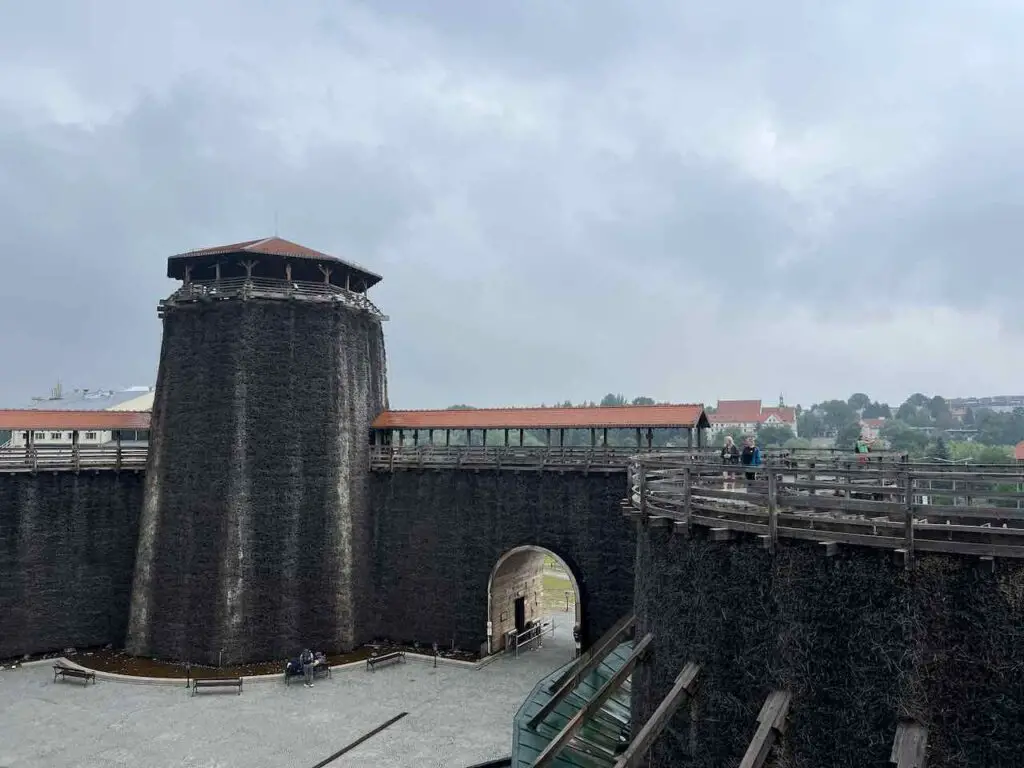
x: 737, y: 412
x: 598, y: 417
x: 783, y: 413
x: 29, y: 419
x: 873, y: 423
x: 1018, y: 451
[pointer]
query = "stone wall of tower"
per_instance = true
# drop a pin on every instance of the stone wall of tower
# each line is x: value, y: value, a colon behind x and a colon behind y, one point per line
x: 253, y: 538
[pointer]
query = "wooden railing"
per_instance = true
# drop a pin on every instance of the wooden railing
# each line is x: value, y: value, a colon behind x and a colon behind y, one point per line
x: 895, y: 504
x: 67, y: 458
x: 267, y: 288
x: 390, y: 457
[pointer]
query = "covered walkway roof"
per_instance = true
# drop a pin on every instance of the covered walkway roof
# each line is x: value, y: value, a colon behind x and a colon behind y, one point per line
x: 28, y: 419
x: 610, y: 417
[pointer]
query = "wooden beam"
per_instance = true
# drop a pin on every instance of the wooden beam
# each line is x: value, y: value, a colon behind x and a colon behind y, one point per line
x: 771, y: 724
x: 910, y: 747
x: 588, y: 660
x: 831, y: 548
x: 593, y: 706
x: 721, y: 534
x: 684, y: 688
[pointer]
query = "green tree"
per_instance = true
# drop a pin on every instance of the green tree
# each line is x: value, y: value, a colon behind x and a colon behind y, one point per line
x: 848, y: 435
x: 858, y: 401
x: 810, y: 424
x: 901, y: 437
x: 643, y: 401
x: 613, y: 399
x: 836, y: 414
x: 877, y: 410
x: 736, y: 434
x: 771, y: 435
x: 939, y: 449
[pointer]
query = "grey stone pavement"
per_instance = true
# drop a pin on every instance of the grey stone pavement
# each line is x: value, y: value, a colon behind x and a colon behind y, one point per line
x: 457, y: 716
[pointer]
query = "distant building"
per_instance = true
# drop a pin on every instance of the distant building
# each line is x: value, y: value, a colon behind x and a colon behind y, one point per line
x: 871, y: 429
x: 65, y: 428
x: 996, y: 403
x: 49, y: 428
x: 1018, y: 452
x: 748, y: 416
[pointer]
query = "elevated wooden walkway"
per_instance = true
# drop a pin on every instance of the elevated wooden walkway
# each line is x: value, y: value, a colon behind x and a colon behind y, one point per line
x: 898, y: 505
x: 73, y: 458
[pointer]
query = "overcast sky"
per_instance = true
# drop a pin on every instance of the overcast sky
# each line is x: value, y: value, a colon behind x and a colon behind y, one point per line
x: 565, y: 197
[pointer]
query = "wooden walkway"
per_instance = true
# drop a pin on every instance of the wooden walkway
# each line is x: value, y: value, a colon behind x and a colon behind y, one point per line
x: 77, y: 459
x: 898, y: 505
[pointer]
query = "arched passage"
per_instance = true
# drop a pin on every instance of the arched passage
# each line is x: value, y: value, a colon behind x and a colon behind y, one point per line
x: 528, y: 584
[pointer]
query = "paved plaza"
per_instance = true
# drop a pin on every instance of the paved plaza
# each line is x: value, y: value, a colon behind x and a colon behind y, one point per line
x: 457, y: 716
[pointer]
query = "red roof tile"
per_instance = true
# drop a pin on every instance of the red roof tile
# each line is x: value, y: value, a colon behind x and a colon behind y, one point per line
x: 1018, y: 451
x: 271, y: 246
x: 627, y: 416
x: 736, y: 412
x: 28, y: 419
x: 782, y: 413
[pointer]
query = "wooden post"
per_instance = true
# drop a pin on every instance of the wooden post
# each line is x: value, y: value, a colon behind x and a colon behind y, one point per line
x: 447, y: 438
x: 547, y: 437
x: 401, y: 438
x: 430, y: 436
x: 326, y: 272
x: 506, y: 437
x: 521, y: 438
x: 687, y: 491
x: 561, y: 438
x: 701, y: 437
x: 771, y: 724
x: 773, y: 510
x: 288, y: 271
x: 639, y: 440
x: 593, y: 437
x: 188, y: 274
x: 117, y: 463
x: 604, y: 437
x: 74, y: 449
x: 469, y: 437
x: 908, y: 518
x: 415, y: 438
x: 641, y: 482
x: 483, y: 437
x: 689, y: 437
x: 650, y: 439
x: 216, y: 272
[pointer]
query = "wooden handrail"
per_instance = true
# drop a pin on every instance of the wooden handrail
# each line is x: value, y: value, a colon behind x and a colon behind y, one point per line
x: 906, y: 506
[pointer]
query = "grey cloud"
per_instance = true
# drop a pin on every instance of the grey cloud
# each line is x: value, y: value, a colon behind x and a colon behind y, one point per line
x: 609, y: 148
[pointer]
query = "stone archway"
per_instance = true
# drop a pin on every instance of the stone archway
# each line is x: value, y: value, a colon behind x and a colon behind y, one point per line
x: 516, y: 589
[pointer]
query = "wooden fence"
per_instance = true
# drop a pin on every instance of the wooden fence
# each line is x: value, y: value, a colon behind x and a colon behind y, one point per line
x: 68, y: 458
x: 891, y: 503
x: 267, y: 288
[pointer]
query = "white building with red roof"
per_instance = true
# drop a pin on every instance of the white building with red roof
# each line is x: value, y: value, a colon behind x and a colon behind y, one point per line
x: 749, y: 415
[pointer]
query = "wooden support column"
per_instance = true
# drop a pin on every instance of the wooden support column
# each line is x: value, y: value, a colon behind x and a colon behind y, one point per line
x: 469, y: 437
x: 216, y: 272
x: 447, y: 438
x: 641, y: 483
x: 483, y: 437
x: 650, y: 439
x: 908, y: 518
x: 771, y: 725
x: 773, y: 509
x: 687, y: 492
x: 521, y: 438
x: 288, y: 271
x: 684, y: 688
x: 188, y: 274
x: 910, y: 747
x: 689, y: 437
x: 74, y: 450
x: 701, y: 437
x: 326, y: 272
x: 401, y: 438
x: 547, y: 434
x: 117, y: 463
x: 593, y: 437
x: 639, y: 440
x: 561, y: 438
x: 415, y: 437
x: 604, y: 437
x: 430, y: 436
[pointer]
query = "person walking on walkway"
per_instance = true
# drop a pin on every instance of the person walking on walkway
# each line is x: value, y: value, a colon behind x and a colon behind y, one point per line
x: 751, y: 456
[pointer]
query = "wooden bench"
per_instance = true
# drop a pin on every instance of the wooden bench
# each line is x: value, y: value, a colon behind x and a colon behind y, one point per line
x: 319, y: 670
x: 384, y: 658
x: 217, y: 682
x: 79, y: 674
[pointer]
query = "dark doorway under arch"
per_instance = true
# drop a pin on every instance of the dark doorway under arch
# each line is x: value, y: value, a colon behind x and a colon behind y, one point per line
x: 528, y: 584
